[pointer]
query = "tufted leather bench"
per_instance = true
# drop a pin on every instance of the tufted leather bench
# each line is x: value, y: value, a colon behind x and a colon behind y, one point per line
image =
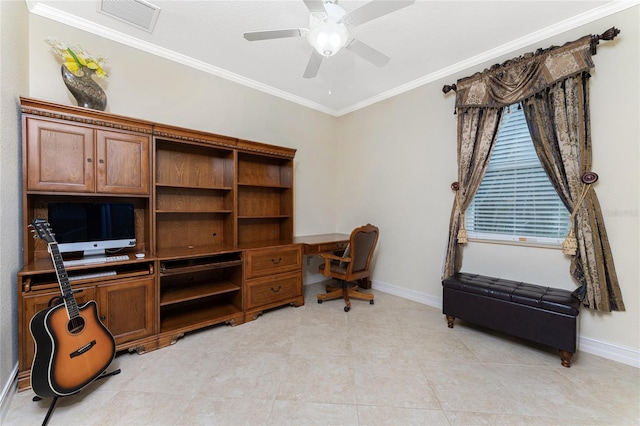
x: 541, y: 314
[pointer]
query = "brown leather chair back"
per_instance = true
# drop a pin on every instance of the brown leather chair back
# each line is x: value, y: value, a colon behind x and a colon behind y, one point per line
x: 363, y: 244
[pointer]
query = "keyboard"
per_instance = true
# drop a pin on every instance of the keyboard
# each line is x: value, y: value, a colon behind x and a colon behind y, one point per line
x: 95, y: 259
x: 92, y: 275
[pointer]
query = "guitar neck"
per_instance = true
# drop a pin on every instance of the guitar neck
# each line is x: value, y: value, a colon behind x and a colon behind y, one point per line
x: 63, y: 280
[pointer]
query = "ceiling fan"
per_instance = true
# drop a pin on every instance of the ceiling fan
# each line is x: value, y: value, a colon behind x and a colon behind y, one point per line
x: 328, y: 31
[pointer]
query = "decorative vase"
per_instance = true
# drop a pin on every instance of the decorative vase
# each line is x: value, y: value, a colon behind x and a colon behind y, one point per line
x: 87, y: 92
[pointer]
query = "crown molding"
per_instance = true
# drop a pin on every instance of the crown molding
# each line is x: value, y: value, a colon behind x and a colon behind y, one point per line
x: 46, y: 11
x: 490, y: 55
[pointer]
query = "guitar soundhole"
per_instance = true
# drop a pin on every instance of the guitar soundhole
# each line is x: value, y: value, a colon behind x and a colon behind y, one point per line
x: 76, y: 325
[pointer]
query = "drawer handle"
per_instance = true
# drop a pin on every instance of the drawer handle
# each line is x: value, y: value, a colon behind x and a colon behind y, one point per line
x: 275, y: 290
x: 275, y: 262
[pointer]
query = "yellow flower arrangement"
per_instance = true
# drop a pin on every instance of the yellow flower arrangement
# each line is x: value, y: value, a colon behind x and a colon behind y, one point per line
x: 75, y: 58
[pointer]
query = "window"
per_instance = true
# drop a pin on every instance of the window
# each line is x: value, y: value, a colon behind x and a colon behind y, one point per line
x: 516, y: 201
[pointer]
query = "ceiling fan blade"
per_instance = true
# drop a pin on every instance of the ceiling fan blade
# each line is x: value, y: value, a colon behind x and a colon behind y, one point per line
x: 314, y: 5
x: 374, y: 9
x: 268, y: 35
x: 313, y: 65
x: 368, y: 53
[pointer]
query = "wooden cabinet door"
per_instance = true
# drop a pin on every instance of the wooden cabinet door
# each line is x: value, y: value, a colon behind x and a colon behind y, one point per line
x: 34, y: 304
x: 127, y: 309
x: 59, y: 157
x: 122, y: 163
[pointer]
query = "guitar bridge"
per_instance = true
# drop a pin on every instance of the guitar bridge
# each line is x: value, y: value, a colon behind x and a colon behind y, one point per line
x: 83, y: 349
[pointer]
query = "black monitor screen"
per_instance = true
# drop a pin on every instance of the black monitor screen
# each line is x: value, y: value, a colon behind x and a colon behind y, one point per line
x: 83, y: 222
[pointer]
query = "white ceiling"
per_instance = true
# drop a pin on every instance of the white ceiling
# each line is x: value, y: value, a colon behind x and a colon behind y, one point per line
x: 426, y: 41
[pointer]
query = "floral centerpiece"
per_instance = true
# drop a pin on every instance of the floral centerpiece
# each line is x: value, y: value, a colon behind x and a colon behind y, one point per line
x: 75, y: 58
x: 77, y: 68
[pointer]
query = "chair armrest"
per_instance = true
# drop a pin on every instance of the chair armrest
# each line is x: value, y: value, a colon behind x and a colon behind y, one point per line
x: 328, y: 257
x: 331, y: 256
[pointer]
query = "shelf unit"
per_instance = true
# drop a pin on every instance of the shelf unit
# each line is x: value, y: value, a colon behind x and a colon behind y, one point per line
x: 194, y: 200
x: 213, y: 215
x: 265, y: 198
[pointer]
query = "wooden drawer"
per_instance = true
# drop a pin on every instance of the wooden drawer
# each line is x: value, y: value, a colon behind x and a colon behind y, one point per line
x: 272, y: 289
x: 331, y: 247
x: 273, y: 260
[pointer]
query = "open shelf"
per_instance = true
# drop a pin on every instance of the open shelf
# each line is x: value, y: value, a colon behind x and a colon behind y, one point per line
x: 201, y: 289
x: 192, y: 292
x: 193, y: 166
x: 189, y: 230
x: 263, y: 185
x: 186, y: 199
x: 195, y: 197
x: 260, y: 170
x: 254, y: 229
x: 197, y: 316
x: 264, y: 201
x: 198, y: 187
x: 200, y: 264
x: 264, y: 198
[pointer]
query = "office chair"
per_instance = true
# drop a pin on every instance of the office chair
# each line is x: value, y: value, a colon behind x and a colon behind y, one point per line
x: 351, y: 267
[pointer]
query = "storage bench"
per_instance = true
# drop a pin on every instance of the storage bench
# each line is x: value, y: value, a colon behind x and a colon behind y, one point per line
x: 541, y: 314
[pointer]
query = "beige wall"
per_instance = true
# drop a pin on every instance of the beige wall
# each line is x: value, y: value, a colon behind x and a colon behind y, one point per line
x: 390, y: 164
x: 14, y: 69
x: 406, y: 150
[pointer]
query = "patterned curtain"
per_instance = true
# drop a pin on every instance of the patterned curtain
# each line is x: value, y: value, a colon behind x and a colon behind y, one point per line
x: 558, y: 120
x: 477, y: 130
x: 552, y: 85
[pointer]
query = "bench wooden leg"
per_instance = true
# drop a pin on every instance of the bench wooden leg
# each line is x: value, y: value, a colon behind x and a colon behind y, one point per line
x: 566, y: 358
x: 450, y: 320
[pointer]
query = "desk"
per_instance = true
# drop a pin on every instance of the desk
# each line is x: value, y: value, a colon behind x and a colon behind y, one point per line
x: 314, y: 244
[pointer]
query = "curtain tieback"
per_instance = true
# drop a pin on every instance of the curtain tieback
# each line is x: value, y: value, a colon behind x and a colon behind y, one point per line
x: 462, y: 236
x: 570, y: 243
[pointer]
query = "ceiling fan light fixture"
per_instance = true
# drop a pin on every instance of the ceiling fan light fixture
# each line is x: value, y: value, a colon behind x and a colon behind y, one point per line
x: 328, y: 38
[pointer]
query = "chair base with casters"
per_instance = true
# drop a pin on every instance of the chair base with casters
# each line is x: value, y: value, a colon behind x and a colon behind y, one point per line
x: 350, y: 267
x: 347, y: 291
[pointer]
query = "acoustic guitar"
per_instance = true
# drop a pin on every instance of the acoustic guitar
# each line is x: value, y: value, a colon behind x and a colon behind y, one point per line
x: 73, y: 347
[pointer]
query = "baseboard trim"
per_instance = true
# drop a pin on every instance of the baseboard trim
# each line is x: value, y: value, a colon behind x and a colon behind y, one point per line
x: 416, y: 296
x: 609, y: 351
x: 592, y: 346
x: 8, y: 391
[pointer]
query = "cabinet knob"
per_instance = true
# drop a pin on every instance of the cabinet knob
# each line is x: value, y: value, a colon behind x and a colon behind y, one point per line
x: 102, y: 318
x: 89, y: 160
x: 101, y: 161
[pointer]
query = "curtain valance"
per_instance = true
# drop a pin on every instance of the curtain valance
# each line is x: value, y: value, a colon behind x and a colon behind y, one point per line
x: 523, y: 77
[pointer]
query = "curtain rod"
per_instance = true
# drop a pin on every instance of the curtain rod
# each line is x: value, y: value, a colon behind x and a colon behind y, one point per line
x: 610, y: 34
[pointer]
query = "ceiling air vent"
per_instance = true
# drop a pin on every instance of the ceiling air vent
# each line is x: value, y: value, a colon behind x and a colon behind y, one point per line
x: 139, y: 13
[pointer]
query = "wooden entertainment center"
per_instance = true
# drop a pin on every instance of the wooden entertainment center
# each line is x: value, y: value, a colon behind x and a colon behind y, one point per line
x: 213, y: 217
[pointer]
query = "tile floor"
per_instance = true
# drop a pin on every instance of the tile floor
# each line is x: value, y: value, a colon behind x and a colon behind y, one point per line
x: 393, y: 363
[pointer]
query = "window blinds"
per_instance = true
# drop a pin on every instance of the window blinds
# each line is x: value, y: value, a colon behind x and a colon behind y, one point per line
x: 516, y: 200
